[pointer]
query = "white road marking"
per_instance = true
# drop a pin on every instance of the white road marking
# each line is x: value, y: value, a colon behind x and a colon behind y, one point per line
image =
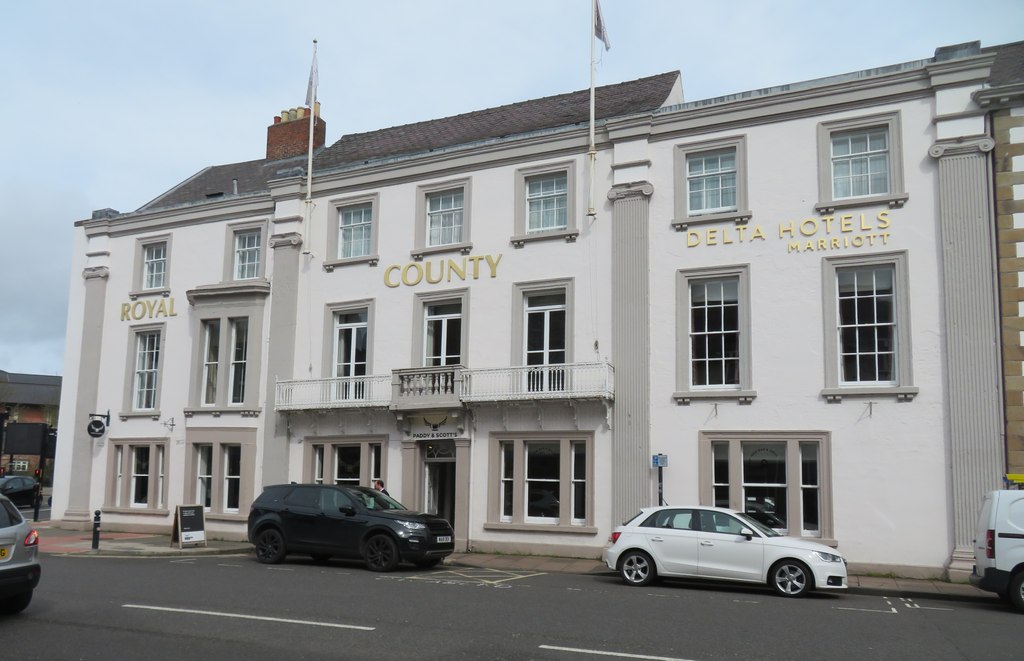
x: 892, y: 609
x: 617, y: 654
x: 240, y: 616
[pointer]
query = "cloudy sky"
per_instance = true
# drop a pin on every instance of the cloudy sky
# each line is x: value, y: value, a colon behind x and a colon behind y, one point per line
x: 109, y: 103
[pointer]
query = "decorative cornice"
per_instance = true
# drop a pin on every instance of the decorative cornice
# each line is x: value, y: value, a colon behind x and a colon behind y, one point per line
x: 632, y: 189
x: 962, y: 146
x: 1003, y: 96
x: 219, y: 292
x: 285, y: 240
x: 92, y: 272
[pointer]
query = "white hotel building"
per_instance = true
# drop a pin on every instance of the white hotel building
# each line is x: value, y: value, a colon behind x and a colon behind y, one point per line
x: 789, y: 293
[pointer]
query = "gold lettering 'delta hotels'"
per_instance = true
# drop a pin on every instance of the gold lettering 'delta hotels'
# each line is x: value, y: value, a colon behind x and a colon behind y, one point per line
x: 148, y: 309
x: 435, y: 271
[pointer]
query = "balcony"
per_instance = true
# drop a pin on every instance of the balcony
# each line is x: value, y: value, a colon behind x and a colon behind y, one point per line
x: 424, y: 388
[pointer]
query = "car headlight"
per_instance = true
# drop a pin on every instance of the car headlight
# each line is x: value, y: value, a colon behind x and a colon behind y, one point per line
x: 413, y: 525
x: 828, y: 557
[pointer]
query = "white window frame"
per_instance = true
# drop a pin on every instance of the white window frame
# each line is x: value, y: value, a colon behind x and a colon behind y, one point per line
x: 146, y: 370
x: 503, y: 445
x: 239, y: 360
x: 739, y: 213
x: 141, y: 284
x: 902, y: 387
x: 231, y: 478
x: 335, y: 233
x: 321, y: 460
x: 425, y: 193
x: 125, y: 477
x: 686, y: 391
x: 211, y: 361
x: 794, y: 442
x: 154, y: 267
x: 896, y: 195
x: 204, y: 475
x: 255, y: 269
x: 247, y: 254
x: 523, y: 233
x: 421, y: 304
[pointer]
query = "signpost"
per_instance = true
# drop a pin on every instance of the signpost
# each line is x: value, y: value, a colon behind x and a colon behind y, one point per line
x: 189, y: 526
x: 659, y: 461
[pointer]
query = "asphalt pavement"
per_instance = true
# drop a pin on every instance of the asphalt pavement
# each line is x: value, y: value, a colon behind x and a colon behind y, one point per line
x: 60, y: 541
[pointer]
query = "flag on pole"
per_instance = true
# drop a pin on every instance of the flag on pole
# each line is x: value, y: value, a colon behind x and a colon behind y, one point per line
x: 599, y: 31
x: 313, y: 80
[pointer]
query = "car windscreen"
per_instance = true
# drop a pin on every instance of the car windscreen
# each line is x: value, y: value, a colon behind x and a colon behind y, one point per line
x: 757, y: 525
x: 9, y: 514
x: 372, y: 499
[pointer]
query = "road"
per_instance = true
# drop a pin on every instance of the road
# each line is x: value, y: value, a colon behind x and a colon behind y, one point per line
x: 231, y: 607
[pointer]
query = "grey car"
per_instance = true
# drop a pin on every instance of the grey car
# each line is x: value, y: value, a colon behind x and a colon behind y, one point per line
x: 19, y: 559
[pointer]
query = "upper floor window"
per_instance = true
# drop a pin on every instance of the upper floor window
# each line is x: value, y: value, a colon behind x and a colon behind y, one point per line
x: 867, y: 339
x: 147, y: 370
x: 247, y: 254
x: 546, y: 199
x: 443, y: 218
x: 239, y: 358
x: 714, y: 332
x: 860, y: 162
x: 443, y: 334
x: 154, y: 269
x: 711, y: 182
x: 545, y: 340
x: 545, y: 203
x: 355, y: 231
x: 211, y: 360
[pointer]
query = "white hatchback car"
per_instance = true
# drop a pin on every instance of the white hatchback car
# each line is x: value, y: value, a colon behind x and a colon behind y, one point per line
x: 720, y: 544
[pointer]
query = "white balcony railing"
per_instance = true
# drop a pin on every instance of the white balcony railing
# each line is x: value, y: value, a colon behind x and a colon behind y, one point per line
x: 337, y: 393
x: 570, y: 381
x: 427, y: 387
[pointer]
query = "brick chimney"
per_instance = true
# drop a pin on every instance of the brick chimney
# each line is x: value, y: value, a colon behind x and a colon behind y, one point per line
x: 289, y: 134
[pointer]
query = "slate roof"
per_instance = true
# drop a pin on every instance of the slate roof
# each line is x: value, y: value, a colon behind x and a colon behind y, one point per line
x: 1008, y: 68
x: 30, y: 389
x: 642, y: 95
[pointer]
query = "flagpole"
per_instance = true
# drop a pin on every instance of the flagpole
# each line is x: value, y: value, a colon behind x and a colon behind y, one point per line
x: 592, y: 151
x: 311, y: 102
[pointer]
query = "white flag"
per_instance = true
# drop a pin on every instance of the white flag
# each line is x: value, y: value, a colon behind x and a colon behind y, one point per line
x: 313, y: 81
x: 599, y: 30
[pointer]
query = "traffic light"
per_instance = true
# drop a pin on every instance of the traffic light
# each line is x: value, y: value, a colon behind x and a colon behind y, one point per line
x: 38, y: 473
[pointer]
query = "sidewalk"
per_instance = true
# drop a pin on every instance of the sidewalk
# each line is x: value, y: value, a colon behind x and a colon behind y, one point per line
x: 57, y: 541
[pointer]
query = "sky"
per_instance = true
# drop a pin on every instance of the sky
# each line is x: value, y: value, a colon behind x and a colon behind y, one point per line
x: 109, y: 103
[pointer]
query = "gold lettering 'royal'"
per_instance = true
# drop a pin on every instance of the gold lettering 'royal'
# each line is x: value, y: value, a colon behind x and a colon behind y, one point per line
x: 151, y: 308
x: 441, y: 270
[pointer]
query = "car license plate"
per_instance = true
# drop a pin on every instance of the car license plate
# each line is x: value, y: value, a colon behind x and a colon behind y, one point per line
x: 444, y: 539
x: 3, y: 552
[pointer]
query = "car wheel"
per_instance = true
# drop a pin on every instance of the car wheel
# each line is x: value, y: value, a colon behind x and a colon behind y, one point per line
x: 790, y: 578
x: 16, y: 604
x: 270, y: 546
x: 637, y: 568
x: 427, y: 564
x: 381, y: 553
x: 1017, y: 590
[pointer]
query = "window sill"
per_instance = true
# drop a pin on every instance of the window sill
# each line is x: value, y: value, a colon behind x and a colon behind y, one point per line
x: 125, y: 415
x: 370, y: 260
x: 163, y: 291
x: 741, y: 396
x: 539, y: 527
x: 894, y: 201
x: 901, y: 393
x: 739, y: 217
x: 218, y: 411
x: 519, y: 240
x: 135, y: 510
x: 464, y: 248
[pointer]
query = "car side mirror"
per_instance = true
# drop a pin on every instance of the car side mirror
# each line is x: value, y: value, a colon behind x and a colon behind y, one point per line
x: 748, y: 533
x: 347, y: 510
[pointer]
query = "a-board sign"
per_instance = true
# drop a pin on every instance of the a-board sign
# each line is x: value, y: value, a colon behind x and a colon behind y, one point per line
x: 189, y: 526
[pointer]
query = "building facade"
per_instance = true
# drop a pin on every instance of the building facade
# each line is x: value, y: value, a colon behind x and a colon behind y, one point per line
x: 785, y: 299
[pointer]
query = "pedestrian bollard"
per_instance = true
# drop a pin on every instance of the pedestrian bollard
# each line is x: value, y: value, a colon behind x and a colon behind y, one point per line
x: 96, y: 531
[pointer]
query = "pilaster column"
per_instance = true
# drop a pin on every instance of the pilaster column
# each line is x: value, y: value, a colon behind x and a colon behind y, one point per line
x: 973, y: 367
x: 631, y: 427
x: 83, y: 446
x: 280, y: 354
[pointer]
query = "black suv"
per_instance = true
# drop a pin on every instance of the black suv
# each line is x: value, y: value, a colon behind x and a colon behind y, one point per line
x: 328, y: 521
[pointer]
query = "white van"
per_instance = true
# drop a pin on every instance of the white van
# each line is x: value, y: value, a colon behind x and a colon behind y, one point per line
x: 999, y: 546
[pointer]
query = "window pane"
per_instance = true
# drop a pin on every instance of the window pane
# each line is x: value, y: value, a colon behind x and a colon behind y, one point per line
x: 346, y: 459
x: 542, y: 479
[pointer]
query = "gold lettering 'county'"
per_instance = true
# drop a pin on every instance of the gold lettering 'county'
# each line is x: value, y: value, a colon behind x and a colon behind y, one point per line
x: 435, y: 271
